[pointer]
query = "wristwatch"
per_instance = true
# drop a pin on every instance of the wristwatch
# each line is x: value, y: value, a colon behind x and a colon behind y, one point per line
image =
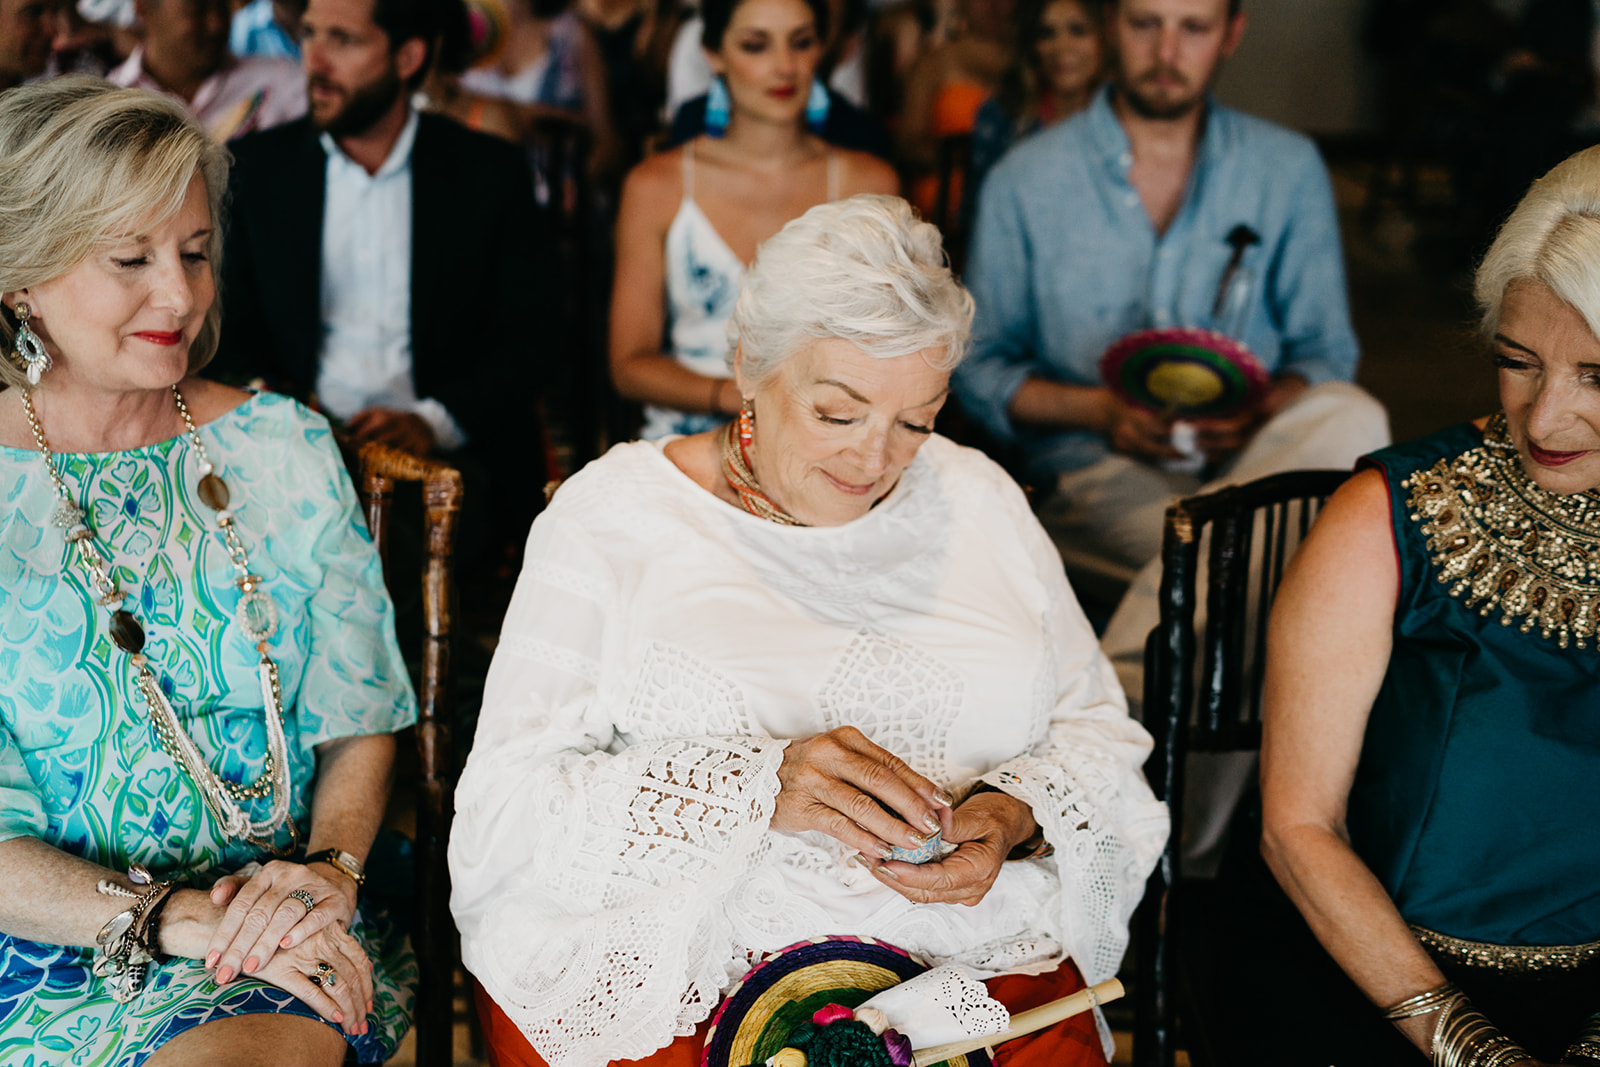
x: 342, y: 862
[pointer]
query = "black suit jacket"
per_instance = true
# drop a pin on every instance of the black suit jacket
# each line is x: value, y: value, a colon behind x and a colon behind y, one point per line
x: 479, y: 323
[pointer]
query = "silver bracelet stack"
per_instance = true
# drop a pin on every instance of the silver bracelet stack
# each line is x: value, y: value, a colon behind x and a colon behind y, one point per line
x: 126, y: 943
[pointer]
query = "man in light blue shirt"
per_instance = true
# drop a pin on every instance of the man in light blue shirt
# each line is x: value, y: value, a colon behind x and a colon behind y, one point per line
x: 1124, y: 218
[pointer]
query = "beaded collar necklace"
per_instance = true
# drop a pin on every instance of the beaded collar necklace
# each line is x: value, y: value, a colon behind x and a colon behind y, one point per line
x: 257, y: 617
x: 1501, y: 544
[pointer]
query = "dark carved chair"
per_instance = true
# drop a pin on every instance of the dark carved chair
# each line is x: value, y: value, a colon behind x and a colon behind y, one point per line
x: 433, y: 931
x: 1202, y: 693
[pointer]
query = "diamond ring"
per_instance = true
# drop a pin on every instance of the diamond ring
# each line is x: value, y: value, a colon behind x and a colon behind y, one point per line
x: 305, y: 898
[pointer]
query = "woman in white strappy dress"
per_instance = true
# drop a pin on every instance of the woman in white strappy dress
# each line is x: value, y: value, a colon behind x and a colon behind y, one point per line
x: 691, y: 218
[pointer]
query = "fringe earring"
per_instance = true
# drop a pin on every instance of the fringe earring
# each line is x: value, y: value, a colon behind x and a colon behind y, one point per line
x: 817, y: 106
x: 27, y: 347
x: 717, y: 108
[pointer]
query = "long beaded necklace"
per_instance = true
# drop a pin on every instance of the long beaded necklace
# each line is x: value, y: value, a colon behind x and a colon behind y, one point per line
x: 257, y: 616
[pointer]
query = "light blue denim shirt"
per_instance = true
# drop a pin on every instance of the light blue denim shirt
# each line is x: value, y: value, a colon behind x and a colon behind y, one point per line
x: 1065, y: 261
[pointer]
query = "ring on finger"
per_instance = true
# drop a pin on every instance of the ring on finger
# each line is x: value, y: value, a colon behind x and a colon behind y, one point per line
x: 325, y: 977
x: 305, y: 897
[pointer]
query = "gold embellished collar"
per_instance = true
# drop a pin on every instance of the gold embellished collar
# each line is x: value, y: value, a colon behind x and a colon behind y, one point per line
x: 1501, y: 542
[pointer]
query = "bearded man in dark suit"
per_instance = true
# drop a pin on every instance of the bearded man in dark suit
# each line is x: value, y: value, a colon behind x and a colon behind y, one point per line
x: 384, y: 262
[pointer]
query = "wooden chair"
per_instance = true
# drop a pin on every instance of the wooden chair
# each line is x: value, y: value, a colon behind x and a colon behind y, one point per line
x: 1202, y: 693
x: 433, y: 931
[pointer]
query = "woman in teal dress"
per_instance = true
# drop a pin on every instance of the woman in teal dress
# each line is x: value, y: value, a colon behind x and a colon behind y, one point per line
x: 199, y: 683
x: 1431, y: 759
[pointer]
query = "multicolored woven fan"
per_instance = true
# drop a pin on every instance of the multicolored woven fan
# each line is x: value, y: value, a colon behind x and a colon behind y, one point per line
x: 796, y: 1008
x: 1184, y: 373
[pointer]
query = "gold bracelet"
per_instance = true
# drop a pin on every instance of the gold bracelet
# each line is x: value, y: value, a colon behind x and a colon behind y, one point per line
x: 1464, y: 1037
x: 1423, y: 1003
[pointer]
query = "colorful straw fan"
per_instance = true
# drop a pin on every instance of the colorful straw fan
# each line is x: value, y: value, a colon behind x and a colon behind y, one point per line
x: 773, y: 1012
x: 1184, y: 373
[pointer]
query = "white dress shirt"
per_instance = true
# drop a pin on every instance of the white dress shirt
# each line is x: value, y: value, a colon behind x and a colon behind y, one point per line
x: 366, y: 291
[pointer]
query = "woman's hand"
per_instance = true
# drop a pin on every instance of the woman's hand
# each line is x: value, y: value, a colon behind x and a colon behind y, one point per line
x: 985, y: 828
x: 838, y: 783
x: 340, y: 965
x: 263, y: 918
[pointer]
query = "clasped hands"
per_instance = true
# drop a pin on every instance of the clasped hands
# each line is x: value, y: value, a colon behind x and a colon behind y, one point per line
x: 1147, y: 434
x: 834, y: 783
x: 268, y: 932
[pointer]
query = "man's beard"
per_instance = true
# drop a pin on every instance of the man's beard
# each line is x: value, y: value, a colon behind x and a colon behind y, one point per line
x: 363, y: 108
x: 1161, y: 110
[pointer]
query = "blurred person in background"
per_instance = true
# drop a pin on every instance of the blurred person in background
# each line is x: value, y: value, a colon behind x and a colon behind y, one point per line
x: 550, y: 65
x: 24, y: 40
x: 268, y: 28
x: 1059, y: 63
x: 183, y: 52
x: 946, y: 88
x: 841, y: 73
x: 691, y: 217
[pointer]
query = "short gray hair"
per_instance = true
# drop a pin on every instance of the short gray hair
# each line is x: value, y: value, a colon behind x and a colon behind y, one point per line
x: 1552, y: 237
x: 81, y: 164
x: 864, y: 270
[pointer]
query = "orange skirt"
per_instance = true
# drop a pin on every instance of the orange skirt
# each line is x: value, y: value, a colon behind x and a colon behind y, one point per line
x: 1073, y: 1043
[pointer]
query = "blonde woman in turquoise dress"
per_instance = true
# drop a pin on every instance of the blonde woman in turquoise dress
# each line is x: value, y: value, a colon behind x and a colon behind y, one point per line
x: 199, y: 683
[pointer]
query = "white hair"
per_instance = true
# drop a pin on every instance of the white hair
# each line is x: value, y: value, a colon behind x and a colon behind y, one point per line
x: 1553, y: 238
x: 864, y: 270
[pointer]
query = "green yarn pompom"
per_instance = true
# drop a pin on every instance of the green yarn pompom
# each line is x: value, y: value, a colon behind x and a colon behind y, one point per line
x: 847, y: 1043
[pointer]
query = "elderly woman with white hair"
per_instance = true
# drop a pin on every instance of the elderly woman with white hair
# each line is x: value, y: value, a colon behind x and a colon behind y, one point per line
x: 199, y: 681
x: 1431, y: 763
x: 740, y: 666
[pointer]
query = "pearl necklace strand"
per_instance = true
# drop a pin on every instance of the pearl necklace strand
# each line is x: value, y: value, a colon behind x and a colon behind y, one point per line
x: 256, y: 615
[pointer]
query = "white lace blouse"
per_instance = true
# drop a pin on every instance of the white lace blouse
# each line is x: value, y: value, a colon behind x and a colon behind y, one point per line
x: 613, y: 868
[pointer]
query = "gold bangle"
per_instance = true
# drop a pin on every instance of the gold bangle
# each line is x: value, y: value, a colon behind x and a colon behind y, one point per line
x: 1464, y: 1037
x: 1423, y: 1003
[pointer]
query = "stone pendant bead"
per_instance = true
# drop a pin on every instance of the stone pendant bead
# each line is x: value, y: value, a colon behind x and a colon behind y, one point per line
x: 126, y: 632
x: 214, y: 492
x: 257, y: 615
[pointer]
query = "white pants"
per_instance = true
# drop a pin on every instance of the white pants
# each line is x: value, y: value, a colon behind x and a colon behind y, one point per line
x: 1114, y: 510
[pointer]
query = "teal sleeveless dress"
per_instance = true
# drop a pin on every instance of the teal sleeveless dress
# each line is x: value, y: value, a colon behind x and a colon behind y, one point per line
x: 1477, y: 798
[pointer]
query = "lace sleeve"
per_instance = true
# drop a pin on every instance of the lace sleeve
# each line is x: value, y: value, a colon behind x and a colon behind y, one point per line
x: 589, y: 875
x: 1084, y: 782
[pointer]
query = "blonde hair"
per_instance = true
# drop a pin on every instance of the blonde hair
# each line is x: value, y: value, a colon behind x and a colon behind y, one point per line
x: 864, y: 270
x: 1553, y: 238
x: 84, y: 164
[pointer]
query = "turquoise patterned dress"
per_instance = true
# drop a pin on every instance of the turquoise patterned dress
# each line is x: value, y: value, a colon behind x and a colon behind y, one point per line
x: 80, y: 767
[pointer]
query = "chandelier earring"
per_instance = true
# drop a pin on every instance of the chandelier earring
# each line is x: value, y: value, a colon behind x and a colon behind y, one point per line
x: 27, y: 347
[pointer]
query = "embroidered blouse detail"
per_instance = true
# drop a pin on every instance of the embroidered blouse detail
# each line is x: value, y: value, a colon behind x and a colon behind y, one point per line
x: 1502, y: 543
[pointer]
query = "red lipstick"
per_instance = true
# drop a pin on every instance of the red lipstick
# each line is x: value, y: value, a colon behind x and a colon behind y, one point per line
x: 160, y: 337
x: 1553, y: 459
x: 782, y: 94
